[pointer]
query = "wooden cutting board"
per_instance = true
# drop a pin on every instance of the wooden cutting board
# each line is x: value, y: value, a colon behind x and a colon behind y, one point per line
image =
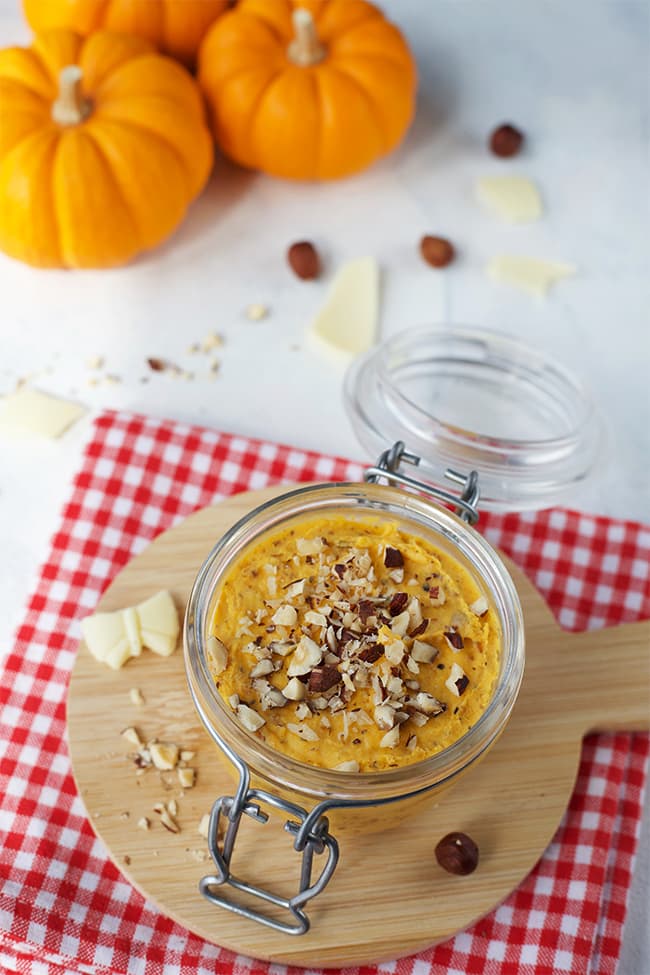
x: 388, y: 896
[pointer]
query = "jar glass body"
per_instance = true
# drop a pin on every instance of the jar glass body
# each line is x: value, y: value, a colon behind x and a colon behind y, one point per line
x: 380, y: 795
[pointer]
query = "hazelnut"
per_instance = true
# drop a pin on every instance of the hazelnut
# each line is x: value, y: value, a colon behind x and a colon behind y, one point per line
x: 506, y: 141
x: 303, y: 260
x: 457, y: 853
x: 437, y: 251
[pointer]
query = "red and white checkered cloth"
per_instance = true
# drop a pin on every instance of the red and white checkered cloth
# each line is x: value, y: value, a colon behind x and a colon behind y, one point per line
x: 65, y: 908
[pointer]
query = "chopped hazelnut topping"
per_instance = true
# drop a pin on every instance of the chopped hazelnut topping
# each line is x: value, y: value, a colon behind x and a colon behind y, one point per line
x: 350, y: 766
x: 218, y: 655
x: 393, y: 558
x: 164, y: 755
x: 295, y: 690
x: 424, y: 653
x: 249, y: 718
x: 307, y: 655
x: 390, y: 739
x: 285, y: 616
x: 455, y: 640
x: 457, y: 681
x: 303, y: 731
x: 480, y: 606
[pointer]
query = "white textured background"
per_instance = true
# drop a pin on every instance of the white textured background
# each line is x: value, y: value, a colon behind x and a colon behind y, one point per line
x: 573, y: 76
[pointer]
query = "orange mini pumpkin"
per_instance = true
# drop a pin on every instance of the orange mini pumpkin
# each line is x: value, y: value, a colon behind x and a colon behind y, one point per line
x: 103, y: 145
x: 176, y: 27
x: 307, y: 89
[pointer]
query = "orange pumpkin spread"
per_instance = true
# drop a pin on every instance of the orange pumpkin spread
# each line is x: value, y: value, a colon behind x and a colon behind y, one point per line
x: 353, y: 644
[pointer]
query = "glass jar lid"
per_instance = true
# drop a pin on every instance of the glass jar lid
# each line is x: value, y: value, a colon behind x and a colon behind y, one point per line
x: 472, y: 399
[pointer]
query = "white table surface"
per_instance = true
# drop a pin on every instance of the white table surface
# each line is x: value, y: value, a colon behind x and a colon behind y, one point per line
x: 573, y: 76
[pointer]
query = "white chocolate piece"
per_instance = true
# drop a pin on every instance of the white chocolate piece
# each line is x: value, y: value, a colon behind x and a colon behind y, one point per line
x: 513, y: 198
x: 346, y: 325
x: 159, y: 625
x: 528, y: 273
x: 113, y: 638
x: 28, y: 412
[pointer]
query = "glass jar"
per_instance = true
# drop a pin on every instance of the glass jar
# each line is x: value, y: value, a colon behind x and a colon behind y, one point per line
x: 463, y: 396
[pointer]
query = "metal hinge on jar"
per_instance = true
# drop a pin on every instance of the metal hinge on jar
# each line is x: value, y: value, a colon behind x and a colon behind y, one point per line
x: 388, y: 468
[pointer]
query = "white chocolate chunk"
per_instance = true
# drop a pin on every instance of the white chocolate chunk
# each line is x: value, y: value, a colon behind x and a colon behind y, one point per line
x: 512, y: 198
x: 113, y: 638
x: 159, y: 625
x: 30, y: 413
x: 132, y: 628
x: 346, y: 325
x: 528, y: 273
x: 104, y: 634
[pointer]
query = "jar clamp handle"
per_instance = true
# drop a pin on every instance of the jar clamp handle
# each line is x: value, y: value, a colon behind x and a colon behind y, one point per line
x: 311, y: 836
x: 387, y: 467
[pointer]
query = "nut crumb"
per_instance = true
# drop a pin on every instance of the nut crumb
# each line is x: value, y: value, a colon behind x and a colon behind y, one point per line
x: 256, y: 312
x: 143, y: 823
x: 204, y: 825
x: 95, y: 362
x: 136, y: 696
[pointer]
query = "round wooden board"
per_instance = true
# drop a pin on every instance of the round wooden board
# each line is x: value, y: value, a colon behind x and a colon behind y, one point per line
x: 388, y: 896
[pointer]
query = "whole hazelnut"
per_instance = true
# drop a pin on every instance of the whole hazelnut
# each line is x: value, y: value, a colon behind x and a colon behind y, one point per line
x: 457, y: 853
x: 437, y: 251
x: 303, y: 260
x: 506, y: 140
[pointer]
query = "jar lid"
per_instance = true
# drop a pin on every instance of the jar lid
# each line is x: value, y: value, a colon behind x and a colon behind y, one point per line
x: 471, y: 399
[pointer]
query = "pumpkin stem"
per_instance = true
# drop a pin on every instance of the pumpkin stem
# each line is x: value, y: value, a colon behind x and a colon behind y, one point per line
x: 71, y: 107
x: 306, y: 48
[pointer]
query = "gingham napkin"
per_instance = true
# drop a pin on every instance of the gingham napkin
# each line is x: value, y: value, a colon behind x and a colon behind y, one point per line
x: 65, y: 908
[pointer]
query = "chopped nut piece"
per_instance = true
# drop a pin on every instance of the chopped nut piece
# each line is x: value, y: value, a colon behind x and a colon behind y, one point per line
x: 480, y: 606
x: 307, y: 655
x: 397, y: 575
x: 256, y: 312
x: 95, y: 362
x: 169, y: 822
x: 455, y: 640
x: 400, y: 624
x: 437, y: 596
x: 350, y: 766
x: 217, y: 654
x: 131, y: 735
x: 296, y: 588
x: 187, y: 777
x: 423, y: 652
x: 428, y: 704
x: 233, y: 701
x: 309, y: 546
x: 390, y: 739
x: 136, y: 696
x: 322, y: 678
x: 249, y: 718
x: 295, y: 690
x: 203, y: 827
x: 316, y: 619
x: 172, y: 807
x: 398, y: 603
x: 303, y: 731
x: 143, y: 823
x: 457, y: 681
x: 186, y: 755
x: 262, y: 668
x: 393, y: 558
x: 372, y: 654
x: 164, y: 755
x: 384, y: 717
x: 285, y: 616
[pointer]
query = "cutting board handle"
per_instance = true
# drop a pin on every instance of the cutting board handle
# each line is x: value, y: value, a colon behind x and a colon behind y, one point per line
x: 608, y: 673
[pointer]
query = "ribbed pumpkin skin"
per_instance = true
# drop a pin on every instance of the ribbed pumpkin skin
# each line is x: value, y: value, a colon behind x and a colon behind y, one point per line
x: 323, y: 121
x: 95, y: 194
x: 176, y: 27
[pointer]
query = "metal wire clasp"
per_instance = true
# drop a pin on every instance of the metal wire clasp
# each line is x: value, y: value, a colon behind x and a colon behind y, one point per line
x: 387, y: 468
